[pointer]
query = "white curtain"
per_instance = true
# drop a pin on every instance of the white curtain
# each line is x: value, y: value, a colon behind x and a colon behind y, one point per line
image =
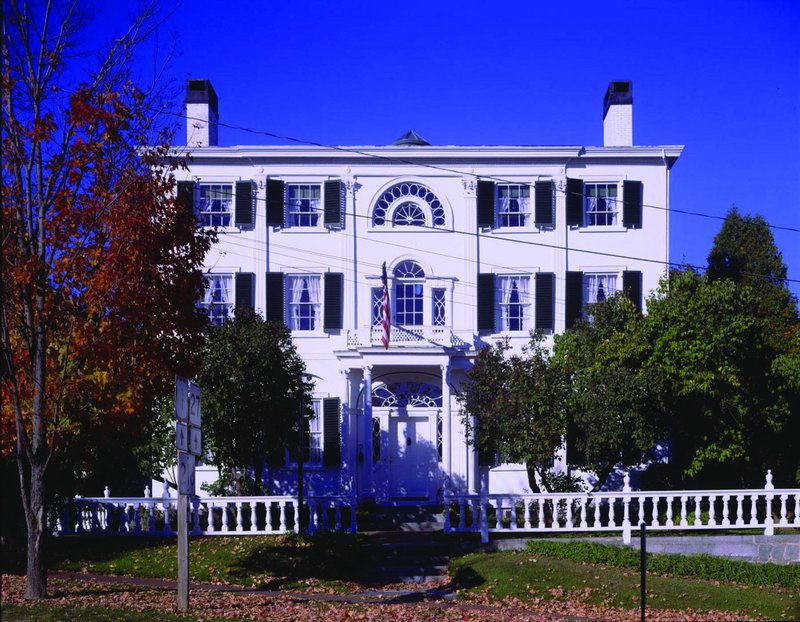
x: 297, y: 292
x: 217, y: 290
x: 314, y: 297
x: 524, y: 205
x: 313, y: 204
x: 593, y: 283
x: 502, y: 204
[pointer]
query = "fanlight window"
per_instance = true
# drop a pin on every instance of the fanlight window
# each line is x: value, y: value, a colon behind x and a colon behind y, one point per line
x: 407, y: 395
x: 405, y: 204
x: 409, y: 270
x: 409, y: 214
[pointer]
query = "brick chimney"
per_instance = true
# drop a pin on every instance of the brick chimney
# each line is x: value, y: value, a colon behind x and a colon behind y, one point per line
x: 202, y: 114
x: 618, y: 115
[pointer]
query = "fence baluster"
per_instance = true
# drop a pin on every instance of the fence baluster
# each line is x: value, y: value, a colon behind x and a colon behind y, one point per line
x: 740, y: 510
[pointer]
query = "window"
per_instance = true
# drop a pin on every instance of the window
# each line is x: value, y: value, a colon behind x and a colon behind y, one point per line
x: 408, y: 289
x: 439, y: 307
x: 407, y: 204
x: 215, y: 204
x: 314, y: 453
x: 514, y: 303
x: 377, y: 305
x: 408, y: 213
x: 304, y: 302
x: 513, y: 205
x: 218, y: 299
x: 303, y: 204
x: 600, y: 204
x: 598, y: 287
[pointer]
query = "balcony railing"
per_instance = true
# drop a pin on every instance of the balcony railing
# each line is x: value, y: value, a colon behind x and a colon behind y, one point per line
x: 407, y: 337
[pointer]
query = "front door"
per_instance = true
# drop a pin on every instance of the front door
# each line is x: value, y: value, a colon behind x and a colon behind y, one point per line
x: 413, y: 458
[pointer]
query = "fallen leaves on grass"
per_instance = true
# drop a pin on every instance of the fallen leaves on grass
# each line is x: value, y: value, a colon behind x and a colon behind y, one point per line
x: 249, y: 606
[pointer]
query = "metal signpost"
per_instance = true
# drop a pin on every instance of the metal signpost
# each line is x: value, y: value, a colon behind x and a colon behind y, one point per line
x: 189, y: 446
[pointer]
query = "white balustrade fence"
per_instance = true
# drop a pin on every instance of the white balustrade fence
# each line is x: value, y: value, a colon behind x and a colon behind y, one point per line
x: 664, y: 510
x: 251, y: 515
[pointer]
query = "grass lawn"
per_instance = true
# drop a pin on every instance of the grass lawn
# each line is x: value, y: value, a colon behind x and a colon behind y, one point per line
x: 329, y: 562
x: 590, y: 574
x: 565, y: 571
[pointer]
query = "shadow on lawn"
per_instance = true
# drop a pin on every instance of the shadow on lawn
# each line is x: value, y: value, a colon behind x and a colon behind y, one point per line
x: 89, y: 548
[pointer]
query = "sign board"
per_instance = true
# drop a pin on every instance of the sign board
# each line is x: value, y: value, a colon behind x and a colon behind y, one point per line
x: 195, y: 442
x: 185, y: 473
x: 194, y: 405
x: 181, y: 399
x: 182, y: 436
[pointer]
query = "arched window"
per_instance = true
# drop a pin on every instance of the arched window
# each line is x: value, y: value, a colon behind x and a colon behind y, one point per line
x: 408, y: 204
x: 408, y: 293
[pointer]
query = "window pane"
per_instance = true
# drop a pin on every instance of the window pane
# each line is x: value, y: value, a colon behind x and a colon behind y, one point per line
x: 215, y: 204
x: 439, y: 315
x: 218, y: 299
x: 303, y: 203
x: 600, y: 204
x: 514, y: 303
x: 513, y: 205
x: 305, y: 302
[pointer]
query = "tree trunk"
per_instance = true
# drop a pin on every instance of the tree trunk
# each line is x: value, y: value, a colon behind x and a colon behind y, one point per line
x: 533, y: 481
x: 36, y: 520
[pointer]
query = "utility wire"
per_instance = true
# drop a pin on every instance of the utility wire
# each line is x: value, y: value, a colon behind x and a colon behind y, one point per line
x: 395, y: 159
x: 515, y: 240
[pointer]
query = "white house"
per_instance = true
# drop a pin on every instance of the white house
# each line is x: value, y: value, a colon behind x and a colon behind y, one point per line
x: 480, y: 243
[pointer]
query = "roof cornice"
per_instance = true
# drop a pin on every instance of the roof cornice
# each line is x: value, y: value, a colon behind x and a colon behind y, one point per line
x: 412, y: 153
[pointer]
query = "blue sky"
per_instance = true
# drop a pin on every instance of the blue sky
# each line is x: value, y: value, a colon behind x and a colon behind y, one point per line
x: 721, y: 78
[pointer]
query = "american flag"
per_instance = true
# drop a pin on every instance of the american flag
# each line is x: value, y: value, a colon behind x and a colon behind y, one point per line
x: 386, y: 315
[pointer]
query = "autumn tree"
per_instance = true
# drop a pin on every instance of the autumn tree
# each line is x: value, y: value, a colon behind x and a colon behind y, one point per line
x: 255, y: 396
x: 100, y: 266
x: 518, y: 402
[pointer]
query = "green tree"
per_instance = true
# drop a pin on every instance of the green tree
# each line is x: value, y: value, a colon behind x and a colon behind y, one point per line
x: 728, y: 379
x: 255, y: 396
x: 517, y: 401
x: 612, y: 412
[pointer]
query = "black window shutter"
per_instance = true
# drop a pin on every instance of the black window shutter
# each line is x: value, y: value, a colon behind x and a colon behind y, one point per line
x: 574, y: 202
x: 632, y: 286
x: 186, y: 195
x: 244, y: 216
x: 332, y: 443
x: 245, y: 284
x: 334, y: 292
x: 543, y: 214
x: 573, y: 298
x: 486, y: 302
x: 274, y: 302
x: 333, y: 216
x: 274, y: 203
x: 632, y: 204
x: 485, y: 203
x: 545, y: 299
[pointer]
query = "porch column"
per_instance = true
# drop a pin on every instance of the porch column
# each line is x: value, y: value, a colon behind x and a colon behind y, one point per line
x: 447, y: 423
x: 472, y: 457
x: 369, y: 486
x: 346, y: 473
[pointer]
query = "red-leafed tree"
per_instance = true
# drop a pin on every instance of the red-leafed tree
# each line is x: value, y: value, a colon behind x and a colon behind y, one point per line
x: 100, y: 264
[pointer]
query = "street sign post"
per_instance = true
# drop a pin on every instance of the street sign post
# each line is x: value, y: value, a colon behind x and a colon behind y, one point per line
x: 189, y: 445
